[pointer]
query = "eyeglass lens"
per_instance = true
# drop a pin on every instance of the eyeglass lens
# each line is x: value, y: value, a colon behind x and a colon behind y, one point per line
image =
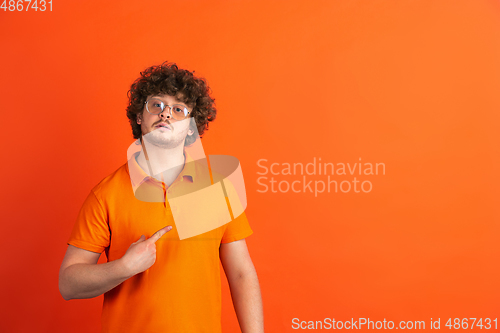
x: 155, y: 106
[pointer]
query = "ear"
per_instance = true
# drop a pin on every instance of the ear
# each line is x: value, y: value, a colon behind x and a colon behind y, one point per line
x: 139, y: 119
x: 190, y: 132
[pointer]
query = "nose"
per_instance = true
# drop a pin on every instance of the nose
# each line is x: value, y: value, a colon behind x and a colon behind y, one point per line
x: 166, y: 113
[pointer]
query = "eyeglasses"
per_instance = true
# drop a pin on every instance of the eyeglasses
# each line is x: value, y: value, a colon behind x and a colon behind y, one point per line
x: 176, y: 111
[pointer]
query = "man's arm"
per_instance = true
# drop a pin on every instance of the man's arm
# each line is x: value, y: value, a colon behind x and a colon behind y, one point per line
x: 81, y: 277
x: 244, y: 285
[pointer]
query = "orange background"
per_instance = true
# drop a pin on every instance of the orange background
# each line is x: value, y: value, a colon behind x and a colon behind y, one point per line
x: 412, y: 84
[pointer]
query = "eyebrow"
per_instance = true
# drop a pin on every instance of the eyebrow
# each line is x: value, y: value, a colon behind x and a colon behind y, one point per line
x: 176, y: 103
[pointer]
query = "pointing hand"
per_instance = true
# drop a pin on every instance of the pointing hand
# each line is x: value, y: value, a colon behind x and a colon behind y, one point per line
x: 142, y: 254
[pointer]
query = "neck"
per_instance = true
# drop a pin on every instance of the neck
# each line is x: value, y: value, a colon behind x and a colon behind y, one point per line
x: 167, y: 161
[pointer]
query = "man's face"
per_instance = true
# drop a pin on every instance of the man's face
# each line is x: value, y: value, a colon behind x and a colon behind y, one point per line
x: 162, y: 130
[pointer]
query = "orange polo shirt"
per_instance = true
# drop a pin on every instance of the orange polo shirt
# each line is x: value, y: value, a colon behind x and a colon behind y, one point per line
x: 181, y: 292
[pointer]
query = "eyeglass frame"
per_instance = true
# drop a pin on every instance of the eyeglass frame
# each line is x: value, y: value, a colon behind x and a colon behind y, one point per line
x: 169, y: 108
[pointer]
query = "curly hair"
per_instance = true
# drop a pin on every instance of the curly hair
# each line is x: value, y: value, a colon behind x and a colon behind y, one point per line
x: 168, y: 79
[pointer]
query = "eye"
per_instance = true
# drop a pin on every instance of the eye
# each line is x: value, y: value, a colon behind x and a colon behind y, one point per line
x: 180, y: 109
x: 155, y: 106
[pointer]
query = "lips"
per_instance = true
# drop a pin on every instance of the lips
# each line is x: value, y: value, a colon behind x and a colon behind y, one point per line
x: 163, y: 125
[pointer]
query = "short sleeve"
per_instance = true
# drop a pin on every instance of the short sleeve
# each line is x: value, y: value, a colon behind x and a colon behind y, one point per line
x: 237, y: 229
x: 91, y: 229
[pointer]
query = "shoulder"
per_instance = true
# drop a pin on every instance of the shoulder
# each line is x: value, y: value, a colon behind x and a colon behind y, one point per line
x: 116, y: 182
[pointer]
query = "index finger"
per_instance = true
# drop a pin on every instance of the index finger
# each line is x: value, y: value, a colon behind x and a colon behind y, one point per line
x: 157, y: 235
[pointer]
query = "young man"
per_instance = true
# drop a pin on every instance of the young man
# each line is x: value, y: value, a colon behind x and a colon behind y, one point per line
x: 153, y: 280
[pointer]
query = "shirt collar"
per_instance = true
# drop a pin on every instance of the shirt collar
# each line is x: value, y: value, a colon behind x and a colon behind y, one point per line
x: 138, y: 176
